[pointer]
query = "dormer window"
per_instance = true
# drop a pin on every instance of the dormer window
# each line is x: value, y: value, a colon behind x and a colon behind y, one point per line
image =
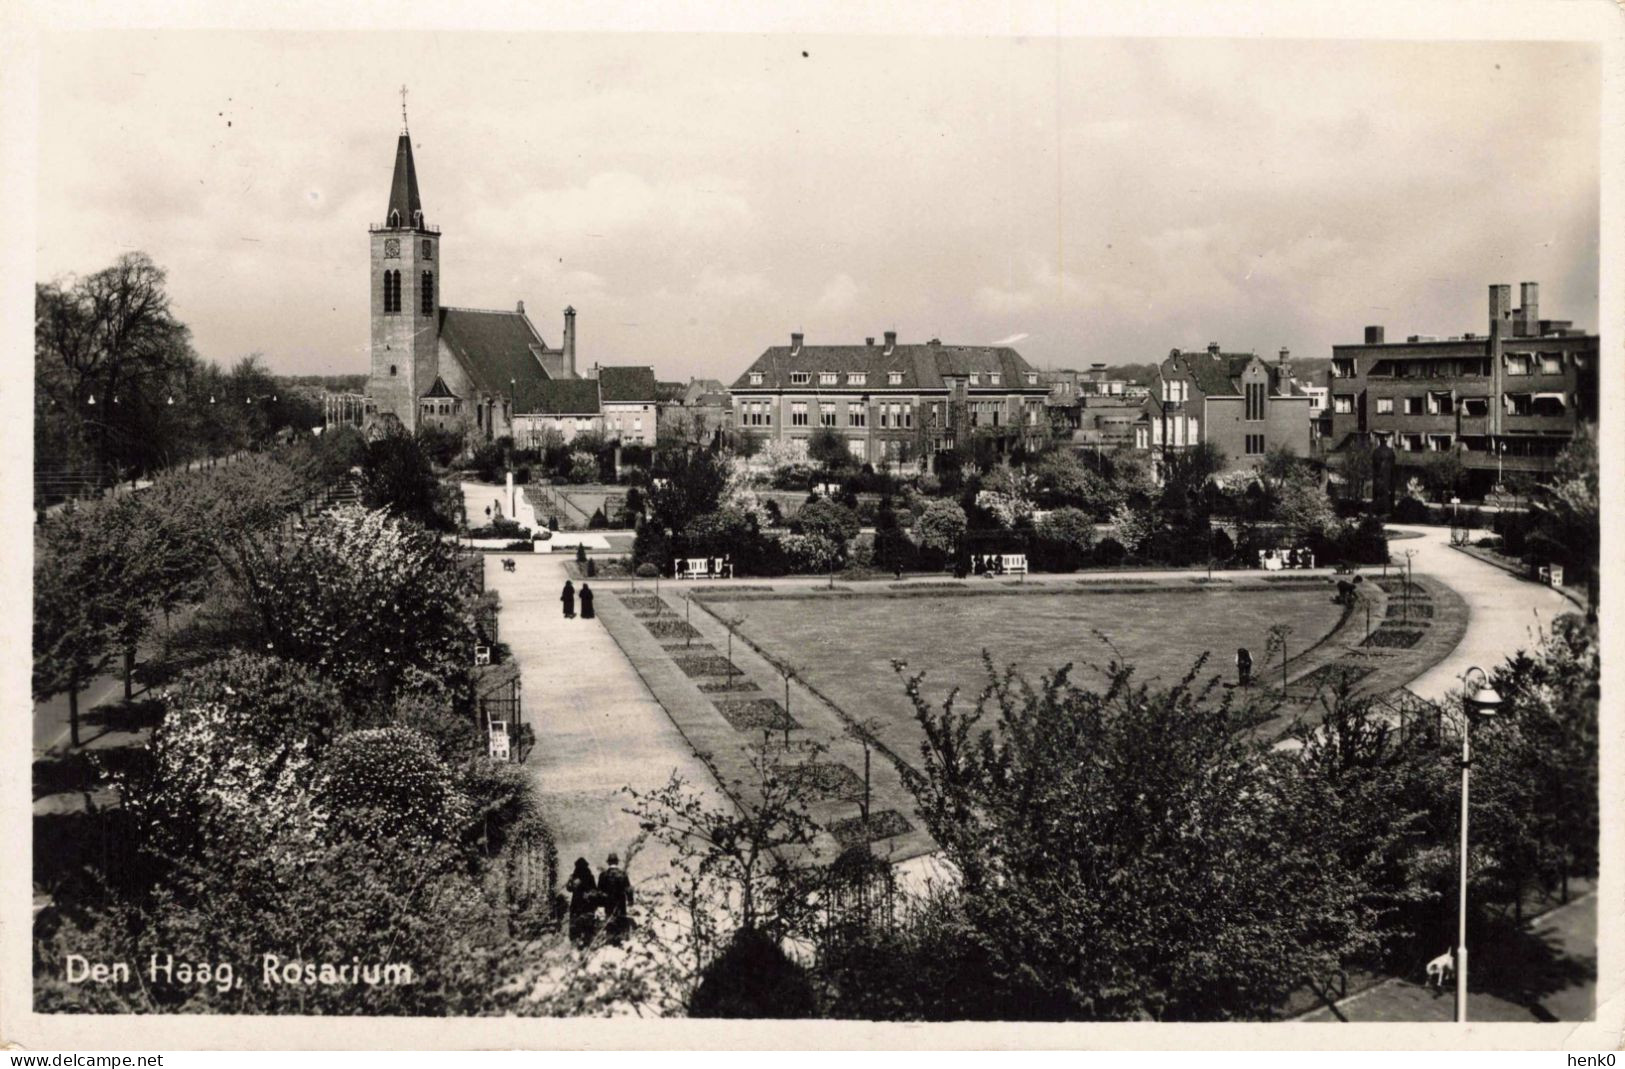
x: 755, y: 378
x: 857, y: 378
x: 992, y: 378
x: 894, y: 378
x: 394, y: 220
x: 800, y: 378
x: 975, y: 378
x: 1032, y: 378
x: 827, y: 378
x: 417, y: 219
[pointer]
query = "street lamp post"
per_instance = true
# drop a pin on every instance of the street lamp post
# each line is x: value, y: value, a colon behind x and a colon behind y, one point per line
x: 1483, y: 702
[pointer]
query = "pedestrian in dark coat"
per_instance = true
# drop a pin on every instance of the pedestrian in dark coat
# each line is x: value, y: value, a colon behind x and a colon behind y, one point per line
x: 583, y: 890
x: 569, y: 599
x: 586, y: 602
x: 615, y: 892
x: 1244, y: 666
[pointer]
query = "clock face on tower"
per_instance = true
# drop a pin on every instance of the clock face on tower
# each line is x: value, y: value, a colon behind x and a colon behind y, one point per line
x: 392, y: 247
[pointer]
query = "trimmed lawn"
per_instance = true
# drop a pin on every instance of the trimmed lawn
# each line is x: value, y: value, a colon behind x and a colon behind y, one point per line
x: 845, y: 648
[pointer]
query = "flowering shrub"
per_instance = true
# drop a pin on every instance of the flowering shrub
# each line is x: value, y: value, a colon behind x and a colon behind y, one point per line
x: 583, y: 467
x: 389, y: 782
x: 940, y: 526
x: 810, y: 552
x: 365, y: 600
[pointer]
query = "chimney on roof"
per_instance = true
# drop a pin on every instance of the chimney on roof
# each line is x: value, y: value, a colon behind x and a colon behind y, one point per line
x: 795, y: 342
x: 936, y: 341
x: 1285, y: 363
x: 1527, y: 322
x: 520, y: 308
x: 1213, y: 348
x: 1500, y: 309
x: 1373, y: 335
x: 869, y: 341
x: 891, y: 341
x: 569, y: 342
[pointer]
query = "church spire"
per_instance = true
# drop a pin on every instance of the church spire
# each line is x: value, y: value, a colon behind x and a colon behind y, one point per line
x: 405, y: 209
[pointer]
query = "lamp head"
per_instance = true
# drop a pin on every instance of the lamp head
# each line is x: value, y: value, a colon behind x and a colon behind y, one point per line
x: 1482, y: 700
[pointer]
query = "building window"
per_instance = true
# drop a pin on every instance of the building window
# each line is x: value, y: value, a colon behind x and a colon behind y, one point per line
x: 392, y: 369
x: 1551, y: 363
x: 1413, y: 406
x: 1342, y: 403
x: 1255, y: 401
x: 755, y: 378
x: 857, y: 378
x: 1441, y: 404
x: 428, y: 293
x: 1517, y: 363
x: 1385, y: 406
x: 1032, y: 378
x: 992, y: 378
x: 827, y: 378
x: 908, y: 414
x: 894, y: 378
x: 1439, y: 443
x: 798, y: 413
x: 1475, y: 407
x: 857, y: 416
x: 975, y: 378
x: 428, y: 249
x: 800, y: 378
x: 392, y: 291
x: 1342, y: 369
x: 826, y: 415
x: 1518, y: 404
x: 1255, y: 445
x: 1410, y: 443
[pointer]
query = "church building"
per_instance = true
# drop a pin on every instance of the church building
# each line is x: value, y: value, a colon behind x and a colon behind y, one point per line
x: 438, y: 366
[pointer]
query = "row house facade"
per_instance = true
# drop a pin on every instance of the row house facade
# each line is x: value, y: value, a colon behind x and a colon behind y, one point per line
x: 615, y: 402
x: 1506, y: 401
x: 892, y: 402
x: 1241, y: 403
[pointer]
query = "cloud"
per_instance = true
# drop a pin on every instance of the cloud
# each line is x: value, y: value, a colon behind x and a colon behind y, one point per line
x: 840, y: 296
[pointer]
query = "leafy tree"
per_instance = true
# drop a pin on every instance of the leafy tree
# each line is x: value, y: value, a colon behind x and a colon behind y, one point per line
x: 398, y: 477
x: 687, y: 486
x: 1568, y: 516
x: 72, y: 566
x: 940, y: 526
x: 1303, y: 507
x: 1064, y: 480
x: 832, y: 520
x: 389, y: 782
x: 1068, y: 535
x: 1126, y: 853
x: 810, y: 553
x: 1354, y: 464
x: 1133, y: 526
x: 753, y: 978
x: 828, y: 448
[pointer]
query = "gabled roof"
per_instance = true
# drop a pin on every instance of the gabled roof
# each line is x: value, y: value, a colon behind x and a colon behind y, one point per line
x: 1219, y: 374
x: 923, y: 367
x: 559, y: 397
x: 403, y: 189
x: 670, y: 392
x: 626, y: 385
x: 498, y: 349
x: 698, y: 388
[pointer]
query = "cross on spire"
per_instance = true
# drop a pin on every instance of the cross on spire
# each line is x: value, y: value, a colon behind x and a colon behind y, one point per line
x: 403, y: 109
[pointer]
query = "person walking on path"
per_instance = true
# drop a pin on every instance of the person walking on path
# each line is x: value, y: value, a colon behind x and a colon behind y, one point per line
x: 586, y: 602
x: 615, y: 891
x: 569, y: 599
x: 583, y: 903
x: 1244, y: 666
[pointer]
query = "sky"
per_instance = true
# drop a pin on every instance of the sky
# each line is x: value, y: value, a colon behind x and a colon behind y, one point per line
x: 698, y: 197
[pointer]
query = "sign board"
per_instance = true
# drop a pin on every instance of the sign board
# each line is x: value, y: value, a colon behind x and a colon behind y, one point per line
x: 499, y: 739
x: 482, y: 654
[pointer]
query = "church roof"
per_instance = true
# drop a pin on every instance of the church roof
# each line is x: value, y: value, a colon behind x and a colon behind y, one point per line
x: 500, y: 350
x: 403, y: 190
x: 627, y: 384
x: 559, y: 397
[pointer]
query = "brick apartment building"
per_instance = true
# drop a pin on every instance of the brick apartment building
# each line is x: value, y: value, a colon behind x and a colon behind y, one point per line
x: 1509, y: 400
x: 1241, y: 403
x: 892, y: 402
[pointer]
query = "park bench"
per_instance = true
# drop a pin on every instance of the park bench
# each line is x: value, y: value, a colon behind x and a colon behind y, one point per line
x: 1014, y: 563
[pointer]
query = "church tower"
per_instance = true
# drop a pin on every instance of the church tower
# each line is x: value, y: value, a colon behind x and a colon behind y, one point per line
x: 405, y: 295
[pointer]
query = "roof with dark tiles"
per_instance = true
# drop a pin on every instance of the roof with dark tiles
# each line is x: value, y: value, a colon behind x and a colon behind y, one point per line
x: 559, y: 397
x: 627, y: 385
x: 922, y: 367
x: 500, y: 350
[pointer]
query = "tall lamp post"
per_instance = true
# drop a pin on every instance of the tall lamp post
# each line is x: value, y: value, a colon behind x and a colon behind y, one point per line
x: 1480, y: 702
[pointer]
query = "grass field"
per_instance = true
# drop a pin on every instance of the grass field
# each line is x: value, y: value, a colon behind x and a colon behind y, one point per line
x: 844, y: 646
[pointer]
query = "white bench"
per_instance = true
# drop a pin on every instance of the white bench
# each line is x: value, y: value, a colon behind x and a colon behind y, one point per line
x: 1014, y: 563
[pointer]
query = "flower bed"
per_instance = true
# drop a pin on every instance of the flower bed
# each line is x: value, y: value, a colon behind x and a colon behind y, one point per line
x: 641, y: 602
x: 1396, y: 587
x: 823, y: 781
x: 704, y: 664
x: 738, y: 685
x: 1393, y: 638
x: 688, y: 647
x: 755, y: 714
x: 881, y: 825
x: 1329, y: 675
x: 1420, y: 609
x: 668, y: 627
